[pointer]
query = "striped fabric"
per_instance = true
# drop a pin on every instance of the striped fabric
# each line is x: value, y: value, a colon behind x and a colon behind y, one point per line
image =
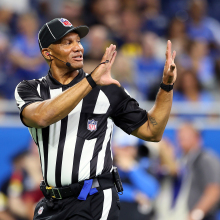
x: 73, y: 149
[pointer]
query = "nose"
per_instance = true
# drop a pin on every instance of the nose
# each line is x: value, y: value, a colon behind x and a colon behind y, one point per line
x: 77, y: 46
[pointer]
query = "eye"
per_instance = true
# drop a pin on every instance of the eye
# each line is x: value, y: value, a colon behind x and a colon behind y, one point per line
x: 67, y: 42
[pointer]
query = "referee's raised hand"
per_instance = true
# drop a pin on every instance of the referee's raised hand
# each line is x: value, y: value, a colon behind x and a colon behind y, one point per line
x: 102, y: 74
x: 169, y: 72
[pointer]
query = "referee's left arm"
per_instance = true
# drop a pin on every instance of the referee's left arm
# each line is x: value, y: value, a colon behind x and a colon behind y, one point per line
x: 153, y: 128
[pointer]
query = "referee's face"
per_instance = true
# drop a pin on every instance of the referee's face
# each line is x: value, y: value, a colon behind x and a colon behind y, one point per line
x: 69, y: 49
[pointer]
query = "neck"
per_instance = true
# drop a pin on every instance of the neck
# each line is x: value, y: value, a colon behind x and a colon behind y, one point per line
x: 63, y: 75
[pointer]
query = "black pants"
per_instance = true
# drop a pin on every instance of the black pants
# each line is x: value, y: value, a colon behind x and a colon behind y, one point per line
x: 103, y: 205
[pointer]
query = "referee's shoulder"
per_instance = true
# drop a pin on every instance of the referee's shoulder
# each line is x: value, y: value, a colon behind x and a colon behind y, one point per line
x: 33, y: 83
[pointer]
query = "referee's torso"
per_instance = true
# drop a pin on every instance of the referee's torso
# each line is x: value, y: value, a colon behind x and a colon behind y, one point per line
x: 78, y: 147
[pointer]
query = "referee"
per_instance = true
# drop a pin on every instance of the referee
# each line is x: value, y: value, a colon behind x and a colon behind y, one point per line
x: 70, y: 116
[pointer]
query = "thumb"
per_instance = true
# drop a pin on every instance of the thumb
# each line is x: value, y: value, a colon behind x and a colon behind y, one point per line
x: 116, y: 82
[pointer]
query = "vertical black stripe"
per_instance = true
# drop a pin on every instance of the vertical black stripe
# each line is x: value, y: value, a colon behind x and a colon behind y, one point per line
x: 37, y: 143
x: 61, y: 144
x: 97, y: 149
x: 45, y: 94
x: 44, y: 90
x: 45, y: 135
x: 108, y: 159
x: 63, y: 130
x: 76, y: 160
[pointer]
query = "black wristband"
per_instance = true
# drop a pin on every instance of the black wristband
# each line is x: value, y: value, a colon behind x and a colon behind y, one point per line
x: 91, y: 81
x: 165, y: 87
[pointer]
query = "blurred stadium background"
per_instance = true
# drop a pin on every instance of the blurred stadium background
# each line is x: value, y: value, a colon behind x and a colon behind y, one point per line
x: 140, y: 29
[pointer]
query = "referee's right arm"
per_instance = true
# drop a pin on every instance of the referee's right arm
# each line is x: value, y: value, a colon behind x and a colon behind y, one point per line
x: 45, y: 113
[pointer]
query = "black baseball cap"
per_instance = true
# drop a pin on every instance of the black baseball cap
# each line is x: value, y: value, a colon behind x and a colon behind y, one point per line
x: 57, y: 28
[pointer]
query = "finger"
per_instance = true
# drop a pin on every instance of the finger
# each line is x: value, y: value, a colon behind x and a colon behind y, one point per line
x: 104, y: 58
x: 112, y: 50
x: 113, y: 57
x: 173, y: 55
x: 107, y: 54
x: 168, y: 50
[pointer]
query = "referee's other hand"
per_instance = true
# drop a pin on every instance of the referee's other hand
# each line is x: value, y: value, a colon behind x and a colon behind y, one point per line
x: 170, y: 71
x: 102, y: 74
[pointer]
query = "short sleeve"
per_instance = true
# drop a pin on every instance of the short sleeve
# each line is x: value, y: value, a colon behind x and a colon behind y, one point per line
x: 26, y: 93
x: 126, y: 112
x: 211, y: 168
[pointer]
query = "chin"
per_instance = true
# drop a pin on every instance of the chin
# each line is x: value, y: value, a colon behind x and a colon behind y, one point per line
x: 77, y: 66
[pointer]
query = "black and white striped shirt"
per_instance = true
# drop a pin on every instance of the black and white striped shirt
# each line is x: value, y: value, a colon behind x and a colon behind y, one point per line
x: 78, y: 147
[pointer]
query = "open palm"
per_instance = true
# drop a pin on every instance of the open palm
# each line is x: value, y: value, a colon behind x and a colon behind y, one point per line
x: 170, y: 72
x: 102, y: 74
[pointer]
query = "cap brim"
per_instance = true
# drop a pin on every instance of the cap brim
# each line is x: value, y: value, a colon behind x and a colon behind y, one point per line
x: 82, y: 31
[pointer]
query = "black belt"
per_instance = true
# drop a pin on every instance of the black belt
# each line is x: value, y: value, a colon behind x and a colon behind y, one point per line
x: 102, y: 182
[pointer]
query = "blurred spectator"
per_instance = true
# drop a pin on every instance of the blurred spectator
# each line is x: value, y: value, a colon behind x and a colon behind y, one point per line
x: 154, y: 20
x: 123, y: 71
x: 192, y: 191
x: 73, y: 11
x: 4, y: 64
x: 174, y: 8
x: 201, y: 27
x: 23, y: 190
x: 4, y: 212
x: 21, y: 6
x: 25, y: 54
x: 213, y: 7
x: 48, y: 9
x: 5, y: 36
x: 5, y: 18
x: 103, y: 11
x: 148, y: 68
x: 131, y: 34
x: 190, y: 89
x: 197, y: 58
x: 177, y: 35
x: 140, y: 187
x: 96, y: 42
x: 107, y: 13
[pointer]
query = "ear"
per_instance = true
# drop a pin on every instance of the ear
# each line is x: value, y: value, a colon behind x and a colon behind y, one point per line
x: 46, y: 53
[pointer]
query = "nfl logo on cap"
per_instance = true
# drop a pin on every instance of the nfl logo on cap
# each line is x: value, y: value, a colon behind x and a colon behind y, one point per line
x: 40, y: 210
x: 92, y: 125
x: 65, y: 22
